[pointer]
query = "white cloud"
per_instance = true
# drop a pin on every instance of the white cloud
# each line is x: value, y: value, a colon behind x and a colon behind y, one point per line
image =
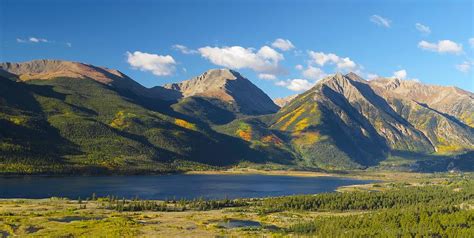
x: 37, y: 40
x: 343, y: 64
x: 346, y: 64
x: 68, y: 44
x: 422, y: 28
x: 465, y: 66
x: 266, y: 59
x: 381, y: 21
x: 400, y: 74
x: 471, y: 42
x: 283, y: 44
x: 403, y: 75
x: 185, y: 50
x: 296, y: 84
x: 443, y: 46
x: 159, y: 65
x: 372, y: 76
x: 32, y: 40
x: 267, y: 76
x: 314, y: 73
x: 321, y: 58
x: 299, y: 67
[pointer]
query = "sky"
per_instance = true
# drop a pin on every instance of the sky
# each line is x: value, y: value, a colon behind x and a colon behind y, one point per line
x: 284, y: 47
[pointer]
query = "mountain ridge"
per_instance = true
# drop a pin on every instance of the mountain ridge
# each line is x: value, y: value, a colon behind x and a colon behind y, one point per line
x: 102, y: 120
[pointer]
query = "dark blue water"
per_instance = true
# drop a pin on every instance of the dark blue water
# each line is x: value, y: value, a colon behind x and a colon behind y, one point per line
x: 169, y: 186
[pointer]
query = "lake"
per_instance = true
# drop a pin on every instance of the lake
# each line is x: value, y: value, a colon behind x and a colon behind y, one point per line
x: 169, y: 186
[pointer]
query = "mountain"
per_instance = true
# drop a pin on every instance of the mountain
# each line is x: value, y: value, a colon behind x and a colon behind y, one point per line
x: 347, y: 121
x: 62, y: 117
x: 281, y: 102
x: 51, y: 69
x: 447, y: 100
x: 69, y: 117
x: 228, y: 90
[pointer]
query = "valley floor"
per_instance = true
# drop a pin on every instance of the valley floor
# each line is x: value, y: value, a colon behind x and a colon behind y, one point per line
x: 404, y: 204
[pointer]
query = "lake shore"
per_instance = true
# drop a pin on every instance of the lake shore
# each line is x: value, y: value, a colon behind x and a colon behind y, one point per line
x: 385, y: 176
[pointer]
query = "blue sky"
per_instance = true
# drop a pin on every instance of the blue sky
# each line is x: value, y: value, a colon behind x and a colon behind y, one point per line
x: 430, y: 41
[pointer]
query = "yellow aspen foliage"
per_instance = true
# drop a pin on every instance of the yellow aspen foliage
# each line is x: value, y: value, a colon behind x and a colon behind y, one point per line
x: 244, y: 132
x: 297, y: 113
x: 185, y: 124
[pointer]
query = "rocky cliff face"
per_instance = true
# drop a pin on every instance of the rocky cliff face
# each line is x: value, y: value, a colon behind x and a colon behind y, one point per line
x: 229, y: 87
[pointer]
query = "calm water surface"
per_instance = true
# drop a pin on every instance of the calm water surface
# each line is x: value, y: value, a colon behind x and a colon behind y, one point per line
x: 169, y: 186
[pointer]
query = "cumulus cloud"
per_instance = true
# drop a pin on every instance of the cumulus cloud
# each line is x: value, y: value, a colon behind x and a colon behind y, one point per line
x: 465, y: 66
x: 400, y: 74
x: 314, y: 73
x: 159, y: 65
x: 266, y: 59
x: 471, y: 42
x: 342, y: 63
x: 299, y: 67
x: 381, y: 21
x: 184, y: 49
x: 267, y: 76
x: 422, y: 28
x: 443, y: 46
x: 403, y: 75
x: 283, y: 44
x: 296, y: 84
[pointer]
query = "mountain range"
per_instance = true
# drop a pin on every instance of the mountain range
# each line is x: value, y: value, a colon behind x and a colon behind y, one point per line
x: 69, y: 117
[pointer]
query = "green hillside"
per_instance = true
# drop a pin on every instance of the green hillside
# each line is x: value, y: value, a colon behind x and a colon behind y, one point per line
x: 70, y: 124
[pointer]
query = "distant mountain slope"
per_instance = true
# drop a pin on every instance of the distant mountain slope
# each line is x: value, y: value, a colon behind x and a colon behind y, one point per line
x: 50, y: 69
x: 281, y: 102
x: 235, y: 92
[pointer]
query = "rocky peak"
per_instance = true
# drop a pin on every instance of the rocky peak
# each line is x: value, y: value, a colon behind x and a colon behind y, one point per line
x: 354, y: 77
x: 228, y: 86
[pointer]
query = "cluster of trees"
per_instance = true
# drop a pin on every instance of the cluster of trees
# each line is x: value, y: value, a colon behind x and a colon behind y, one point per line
x: 394, y: 198
x: 415, y: 221
x: 111, y: 202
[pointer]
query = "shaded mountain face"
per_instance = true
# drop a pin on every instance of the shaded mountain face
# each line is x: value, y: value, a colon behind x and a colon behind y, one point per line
x: 227, y: 89
x: 51, y: 69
